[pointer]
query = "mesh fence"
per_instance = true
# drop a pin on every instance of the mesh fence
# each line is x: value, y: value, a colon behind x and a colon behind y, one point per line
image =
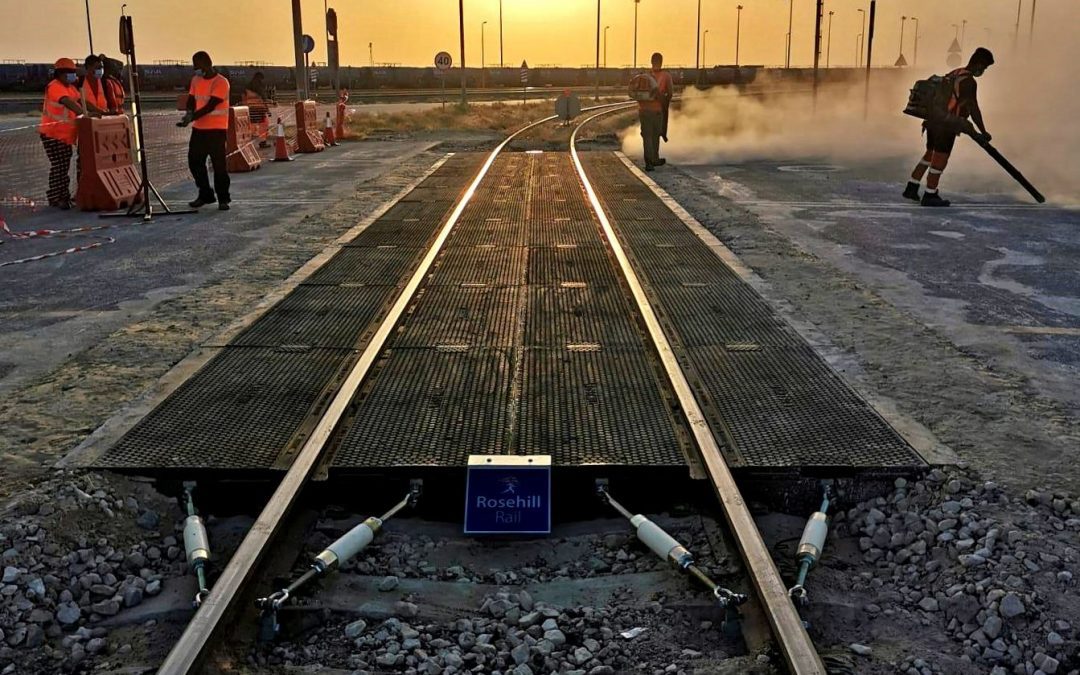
x: 25, y: 213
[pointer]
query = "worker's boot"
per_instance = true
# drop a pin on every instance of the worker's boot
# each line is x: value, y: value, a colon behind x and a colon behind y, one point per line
x: 934, y: 199
x: 912, y: 191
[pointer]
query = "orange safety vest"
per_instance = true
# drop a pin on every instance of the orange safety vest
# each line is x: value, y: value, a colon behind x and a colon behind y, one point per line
x: 95, y: 95
x: 115, y: 92
x: 203, y: 90
x: 57, y: 121
x: 955, y: 106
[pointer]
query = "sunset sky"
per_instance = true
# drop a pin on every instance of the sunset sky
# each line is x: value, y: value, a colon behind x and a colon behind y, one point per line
x: 541, y: 31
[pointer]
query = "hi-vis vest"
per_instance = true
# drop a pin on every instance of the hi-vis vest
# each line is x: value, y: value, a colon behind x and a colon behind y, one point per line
x: 95, y: 96
x: 203, y: 90
x: 56, y: 120
x: 955, y: 106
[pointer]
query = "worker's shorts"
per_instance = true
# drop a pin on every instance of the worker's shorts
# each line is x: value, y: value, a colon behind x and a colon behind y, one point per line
x: 939, y: 139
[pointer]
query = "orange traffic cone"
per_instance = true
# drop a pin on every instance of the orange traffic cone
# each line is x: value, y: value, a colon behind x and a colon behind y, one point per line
x: 328, y: 131
x: 281, y: 146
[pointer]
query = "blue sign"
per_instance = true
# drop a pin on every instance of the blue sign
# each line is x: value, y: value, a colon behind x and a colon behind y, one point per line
x: 508, y: 494
x: 308, y: 43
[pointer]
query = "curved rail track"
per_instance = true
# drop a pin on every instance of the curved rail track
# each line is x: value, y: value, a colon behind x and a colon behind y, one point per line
x: 209, y: 622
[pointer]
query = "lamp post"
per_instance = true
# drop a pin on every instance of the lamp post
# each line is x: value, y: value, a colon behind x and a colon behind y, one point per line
x: 483, y: 62
x: 371, y: 53
x: 90, y: 32
x: 903, y: 21
x: 461, y: 40
x: 915, y: 59
x: 828, y: 43
x: 596, y: 93
x: 703, y: 36
x: 862, y: 36
x: 605, y: 45
x: 698, y: 55
x: 963, y: 32
x: 738, y: 28
x: 636, y: 3
x: 1031, y: 31
x: 500, y: 35
x: 790, y: 19
x: 1016, y: 34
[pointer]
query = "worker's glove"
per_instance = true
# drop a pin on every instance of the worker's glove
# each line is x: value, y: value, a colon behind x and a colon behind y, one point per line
x: 185, y: 121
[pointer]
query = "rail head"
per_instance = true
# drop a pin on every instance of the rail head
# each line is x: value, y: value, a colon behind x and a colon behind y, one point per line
x: 792, y: 639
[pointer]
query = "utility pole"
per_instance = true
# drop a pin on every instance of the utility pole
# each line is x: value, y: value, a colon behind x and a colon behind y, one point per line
x: 791, y: 16
x: 636, y: 3
x: 817, y: 43
x: 326, y: 25
x: 697, y: 55
x: 1031, y: 31
x: 738, y: 28
x: 861, y: 40
x: 371, y: 53
x: 461, y: 39
x: 483, y: 62
x: 915, y: 60
x: 1016, y: 34
x: 298, y: 50
x: 828, y: 48
x: 605, y: 45
x: 597, y: 94
x: 869, y: 56
x: 704, y: 61
x: 90, y: 31
x: 500, y: 35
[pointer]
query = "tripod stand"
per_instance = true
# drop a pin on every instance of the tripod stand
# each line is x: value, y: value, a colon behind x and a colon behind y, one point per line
x: 142, y: 207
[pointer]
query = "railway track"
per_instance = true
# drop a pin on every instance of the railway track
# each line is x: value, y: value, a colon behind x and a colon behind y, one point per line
x: 212, y: 618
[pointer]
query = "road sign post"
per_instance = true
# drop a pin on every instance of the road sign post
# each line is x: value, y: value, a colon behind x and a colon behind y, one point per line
x: 307, y: 43
x: 443, y: 62
x: 524, y: 80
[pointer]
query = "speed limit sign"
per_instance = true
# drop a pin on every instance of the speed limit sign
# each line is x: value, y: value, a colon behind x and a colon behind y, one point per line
x: 443, y: 60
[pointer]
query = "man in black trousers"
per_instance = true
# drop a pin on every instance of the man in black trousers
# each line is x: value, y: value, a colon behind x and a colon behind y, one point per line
x: 208, y: 115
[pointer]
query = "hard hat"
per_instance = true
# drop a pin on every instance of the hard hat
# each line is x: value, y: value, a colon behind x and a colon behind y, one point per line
x: 64, y: 64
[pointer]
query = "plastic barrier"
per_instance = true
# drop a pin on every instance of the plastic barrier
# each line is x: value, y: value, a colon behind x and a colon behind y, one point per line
x: 240, y: 150
x: 308, y: 134
x: 108, y: 180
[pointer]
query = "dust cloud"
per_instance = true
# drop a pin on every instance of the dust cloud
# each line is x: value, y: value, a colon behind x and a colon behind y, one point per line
x: 1030, y: 100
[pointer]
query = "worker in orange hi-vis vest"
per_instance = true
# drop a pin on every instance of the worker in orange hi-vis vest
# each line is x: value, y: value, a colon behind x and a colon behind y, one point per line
x: 114, y: 84
x: 258, y: 109
x: 58, y: 131
x: 93, y: 87
x: 208, y: 115
x: 653, y: 91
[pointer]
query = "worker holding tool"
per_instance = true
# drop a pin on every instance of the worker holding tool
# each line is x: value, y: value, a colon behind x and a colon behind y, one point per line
x: 208, y: 115
x: 941, y: 133
x: 258, y: 109
x: 58, y: 131
x: 652, y: 91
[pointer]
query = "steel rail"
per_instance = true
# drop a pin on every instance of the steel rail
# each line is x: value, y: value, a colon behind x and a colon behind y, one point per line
x: 787, y: 627
x: 199, y: 635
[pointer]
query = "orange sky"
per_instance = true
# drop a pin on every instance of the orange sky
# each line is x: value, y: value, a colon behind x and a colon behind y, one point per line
x: 541, y: 31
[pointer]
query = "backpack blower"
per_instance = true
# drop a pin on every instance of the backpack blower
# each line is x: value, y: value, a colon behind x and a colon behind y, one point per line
x: 929, y: 101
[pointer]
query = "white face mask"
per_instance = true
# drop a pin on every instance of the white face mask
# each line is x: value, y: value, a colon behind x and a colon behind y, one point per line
x: 99, y: 73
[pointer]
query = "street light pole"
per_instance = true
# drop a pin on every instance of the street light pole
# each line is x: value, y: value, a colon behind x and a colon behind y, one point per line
x: 859, y: 42
x: 1016, y: 34
x: 915, y: 60
x: 903, y: 20
x: 1031, y: 31
x: 791, y: 16
x: 636, y: 3
x: 704, y: 35
x: 461, y: 39
x: 500, y: 35
x: 597, y: 93
x: 371, y: 53
x: 605, y: 45
x: 90, y: 31
x: 963, y: 32
x: 483, y: 62
x: 869, y: 56
x: 738, y: 29
x: 828, y: 43
x: 697, y: 55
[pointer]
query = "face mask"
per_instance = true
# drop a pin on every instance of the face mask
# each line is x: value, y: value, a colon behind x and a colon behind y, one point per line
x: 70, y: 78
x: 99, y: 73
x: 198, y: 72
